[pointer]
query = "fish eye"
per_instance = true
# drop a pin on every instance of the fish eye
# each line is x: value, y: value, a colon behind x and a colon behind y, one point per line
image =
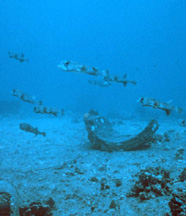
x: 66, y: 63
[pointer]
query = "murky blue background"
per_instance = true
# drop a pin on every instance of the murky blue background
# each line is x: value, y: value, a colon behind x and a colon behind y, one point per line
x: 145, y: 39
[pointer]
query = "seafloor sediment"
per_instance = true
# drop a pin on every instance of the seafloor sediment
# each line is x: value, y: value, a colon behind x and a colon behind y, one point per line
x: 82, y: 181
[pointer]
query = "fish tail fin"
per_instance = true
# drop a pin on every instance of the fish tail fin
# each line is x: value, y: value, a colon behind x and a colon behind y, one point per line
x: 134, y: 82
x: 168, y: 111
x: 44, y: 134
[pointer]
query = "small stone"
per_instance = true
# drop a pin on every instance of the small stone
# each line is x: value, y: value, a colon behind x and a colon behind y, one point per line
x: 94, y: 179
x: 118, y: 182
x: 113, y: 204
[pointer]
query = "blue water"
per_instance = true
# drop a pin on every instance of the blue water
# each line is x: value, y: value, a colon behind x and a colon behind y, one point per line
x: 145, y: 39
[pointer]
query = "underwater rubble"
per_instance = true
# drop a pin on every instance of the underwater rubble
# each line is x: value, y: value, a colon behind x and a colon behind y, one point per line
x: 152, y: 182
x: 38, y: 208
x: 177, y: 203
x: 8, y: 199
x: 182, y: 176
x: 5, y: 200
x: 10, y: 206
x: 103, y: 137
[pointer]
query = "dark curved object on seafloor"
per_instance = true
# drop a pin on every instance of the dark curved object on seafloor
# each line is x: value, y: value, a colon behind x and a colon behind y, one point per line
x: 103, y: 137
x: 8, y: 199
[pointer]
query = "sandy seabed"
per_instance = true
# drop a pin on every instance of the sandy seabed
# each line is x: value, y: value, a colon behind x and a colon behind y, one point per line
x: 62, y: 166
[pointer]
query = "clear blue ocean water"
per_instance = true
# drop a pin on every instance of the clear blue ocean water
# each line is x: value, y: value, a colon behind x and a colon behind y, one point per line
x: 145, y: 39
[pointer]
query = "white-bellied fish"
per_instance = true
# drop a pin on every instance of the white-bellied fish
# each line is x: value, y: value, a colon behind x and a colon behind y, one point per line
x: 71, y: 66
x: 48, y: 110
x: 25, y: 97
x: 166, y: 106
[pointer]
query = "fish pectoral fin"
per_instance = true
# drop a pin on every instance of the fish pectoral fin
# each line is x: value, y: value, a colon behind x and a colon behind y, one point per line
x: 169, y: 102
x: 134, y: 82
